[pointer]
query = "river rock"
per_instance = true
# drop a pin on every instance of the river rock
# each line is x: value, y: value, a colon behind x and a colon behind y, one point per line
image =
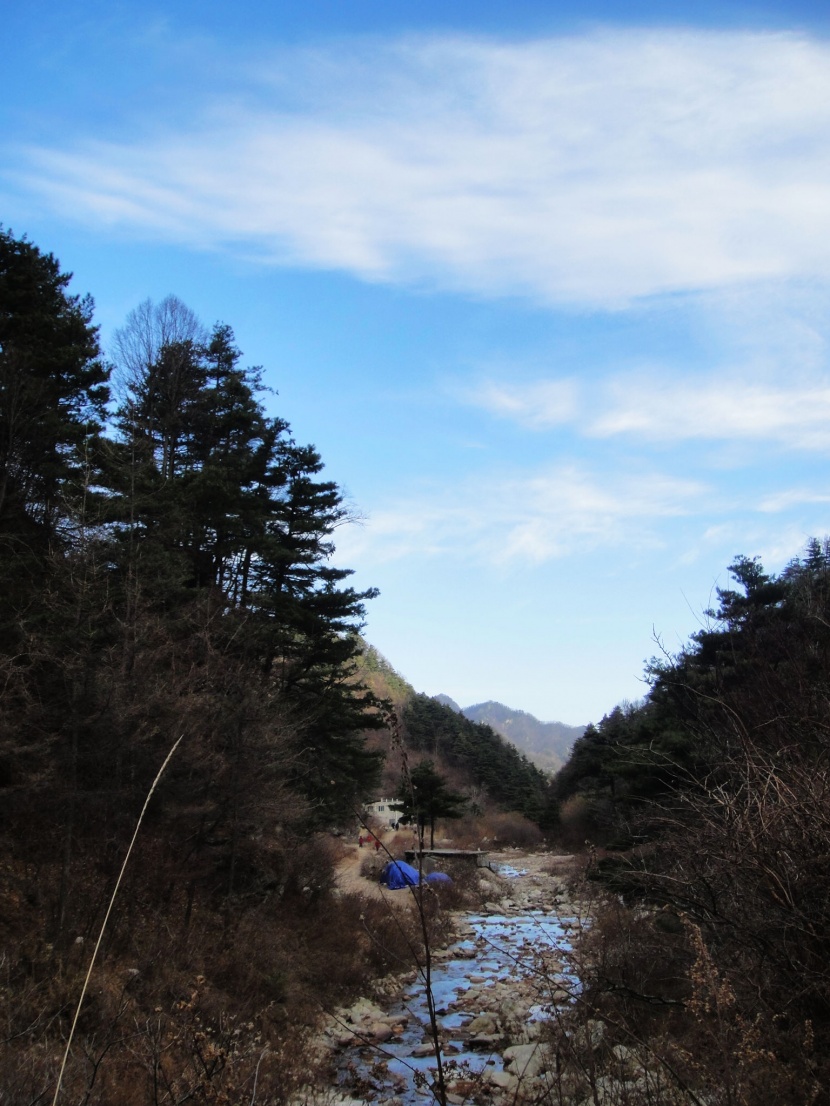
x: 525, y: 1061
x: 420, y: 1051
x: 470, y: 997
x: 629, y: 1063
x: 364, y: 1011
x: 554, y: 966
x: 379, y: 1032
x: 484, y: 1023
x: 595, y: 1031
x: 607, y: 1091
x: 485, y: 1042
x: 502, y: 1079
x: 532, y: 1031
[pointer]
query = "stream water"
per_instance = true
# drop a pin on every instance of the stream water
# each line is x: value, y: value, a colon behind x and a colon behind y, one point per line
x: 507, y: 967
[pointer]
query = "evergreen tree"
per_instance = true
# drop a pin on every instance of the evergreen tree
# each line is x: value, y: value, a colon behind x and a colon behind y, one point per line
x: 53, y: 393
x: 425, y: 797
x: 216, y: 495
x: 307, y: 630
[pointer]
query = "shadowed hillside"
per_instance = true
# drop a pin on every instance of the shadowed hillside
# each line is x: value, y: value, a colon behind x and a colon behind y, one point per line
x: 545, y: 744
x: 478, y: 760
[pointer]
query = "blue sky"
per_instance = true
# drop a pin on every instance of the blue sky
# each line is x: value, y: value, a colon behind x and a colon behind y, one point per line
x: 546, y: 284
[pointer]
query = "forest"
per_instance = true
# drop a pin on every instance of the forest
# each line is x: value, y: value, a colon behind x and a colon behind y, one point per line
x: 167, y: 586
x: 707, y: 807
x: 167, y: 589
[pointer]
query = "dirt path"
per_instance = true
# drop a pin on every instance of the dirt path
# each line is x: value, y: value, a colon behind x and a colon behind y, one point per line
x: 348, y: 876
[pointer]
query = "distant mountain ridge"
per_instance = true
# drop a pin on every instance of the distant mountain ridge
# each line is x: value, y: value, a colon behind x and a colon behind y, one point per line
x: 546, y: 744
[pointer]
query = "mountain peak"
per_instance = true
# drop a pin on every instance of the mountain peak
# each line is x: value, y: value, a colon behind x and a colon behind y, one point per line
x: 446, y: 701
x: 547, y: 744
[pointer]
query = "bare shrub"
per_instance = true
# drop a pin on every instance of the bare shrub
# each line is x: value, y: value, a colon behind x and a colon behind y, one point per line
x: 512, y: 830
x: 197, y: 1008
x: 468, y: 831
x: 658, y: 1015
x: 308, y: 867
x: 464, y: 892
x: 635, y: 963
x: 400, y: 841
x: 372, y: 864
x: 576, y: 822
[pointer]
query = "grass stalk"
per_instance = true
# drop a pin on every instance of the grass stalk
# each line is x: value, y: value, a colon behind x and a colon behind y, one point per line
x: 106, y: 918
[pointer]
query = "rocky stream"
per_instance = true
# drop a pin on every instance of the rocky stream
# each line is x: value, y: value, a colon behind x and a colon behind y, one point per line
x: 507, y: 973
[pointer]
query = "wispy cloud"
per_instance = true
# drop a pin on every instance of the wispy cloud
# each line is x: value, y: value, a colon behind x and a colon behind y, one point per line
x: 794, y: 497
x: 527, y: 519
x: 719, y: 410
x: 539, y: 405
x: 589, y: 169
x: 663, y: 409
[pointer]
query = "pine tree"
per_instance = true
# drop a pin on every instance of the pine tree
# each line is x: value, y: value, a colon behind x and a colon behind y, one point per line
x: 308, y: 629
x: 426, y: 796
x: 215, y: 495
x: 53, y: 392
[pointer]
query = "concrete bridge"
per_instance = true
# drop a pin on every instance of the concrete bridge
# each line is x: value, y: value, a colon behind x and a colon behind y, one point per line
x: 474, y: 856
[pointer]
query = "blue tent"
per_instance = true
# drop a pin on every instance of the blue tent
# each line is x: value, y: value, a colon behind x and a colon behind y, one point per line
x: 397, y: 874
x: 438, y: 877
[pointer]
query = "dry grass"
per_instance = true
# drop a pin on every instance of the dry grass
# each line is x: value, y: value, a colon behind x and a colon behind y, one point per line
x: 176, y: 1011
x: 198, y: 1011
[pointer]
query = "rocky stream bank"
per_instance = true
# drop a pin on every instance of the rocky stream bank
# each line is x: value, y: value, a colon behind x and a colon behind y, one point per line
x: 494, y: 988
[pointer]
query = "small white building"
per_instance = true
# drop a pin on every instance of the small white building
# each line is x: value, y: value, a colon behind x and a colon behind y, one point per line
x: 384, y: 810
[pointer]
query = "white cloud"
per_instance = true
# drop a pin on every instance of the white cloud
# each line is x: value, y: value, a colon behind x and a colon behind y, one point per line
x: 726, y: 409
x: 657, y: 407
x: 538, y: 405
x: 590, y: 170
x: 527, y: 519
x: 795, y: 497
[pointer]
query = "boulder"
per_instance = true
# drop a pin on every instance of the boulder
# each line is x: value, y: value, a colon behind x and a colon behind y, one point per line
x: 485, y: 1042
x: 379, y: 1032
x: 525, y: 1061
x: 628, y: 1061
x: 484, y: 1023
x: 421, y: 1051
x: 502, y: 1079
